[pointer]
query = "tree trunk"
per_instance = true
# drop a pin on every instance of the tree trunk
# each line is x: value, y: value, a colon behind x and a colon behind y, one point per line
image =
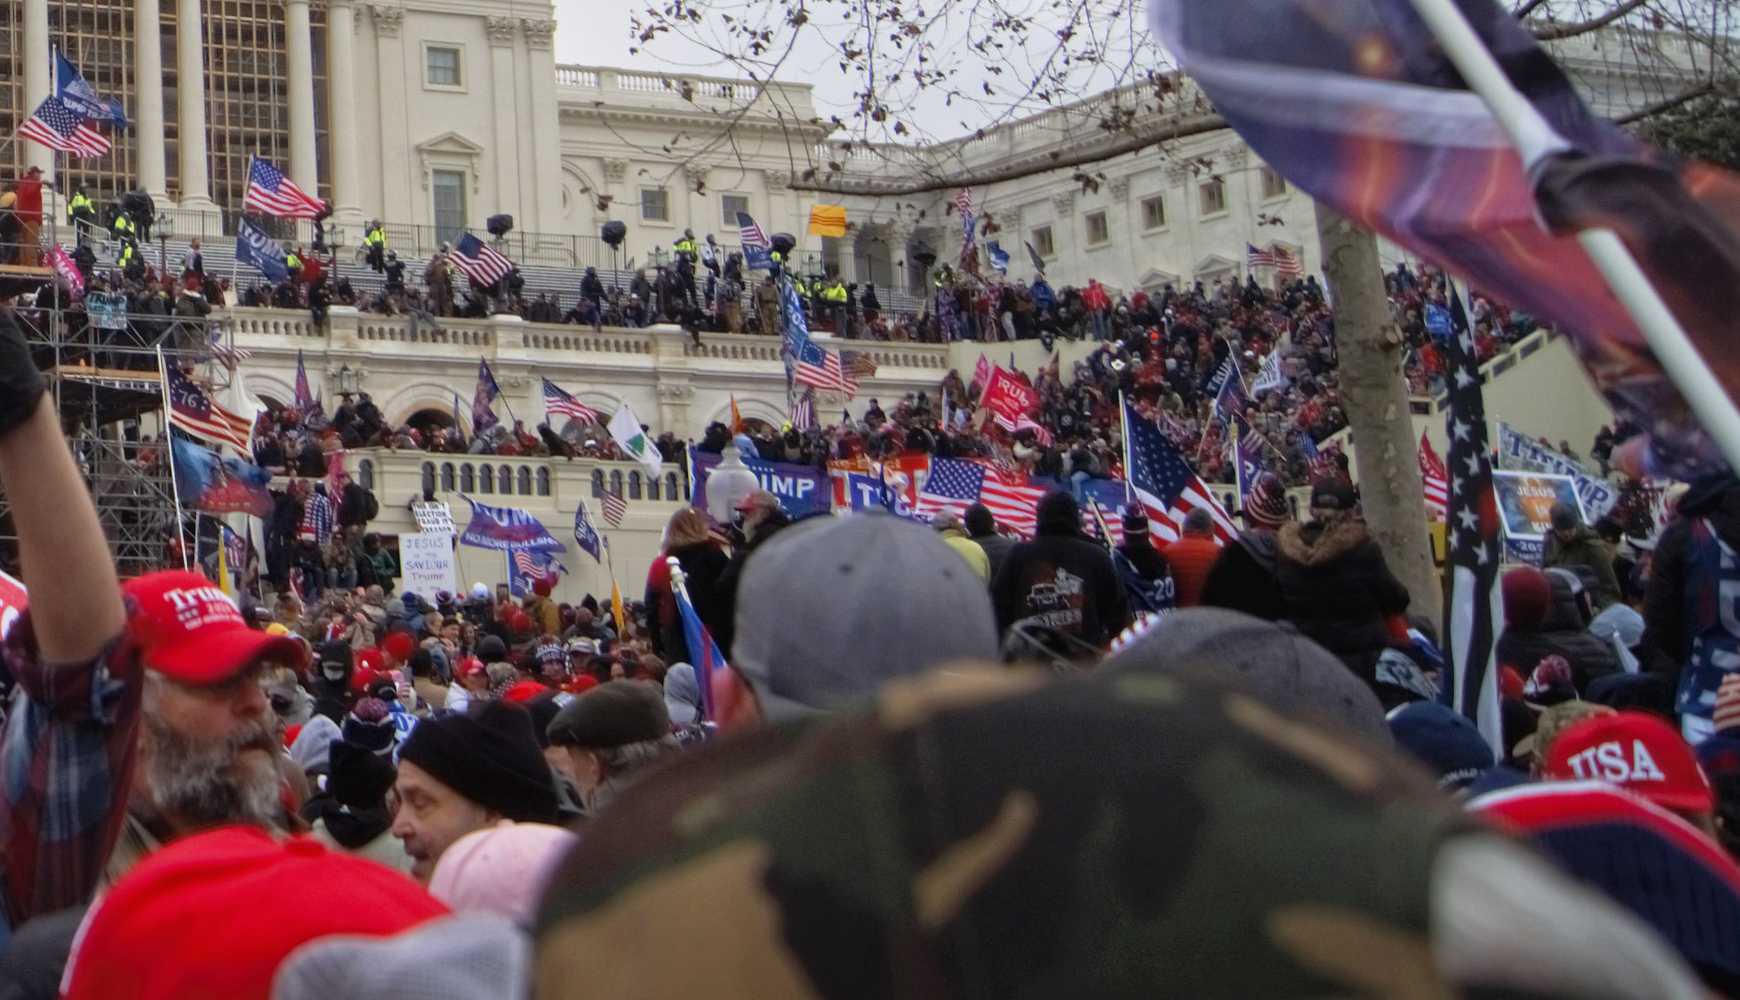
x: 1375, y: 397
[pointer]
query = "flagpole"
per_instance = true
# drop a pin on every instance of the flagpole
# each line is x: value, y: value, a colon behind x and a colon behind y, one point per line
x: 1124, y: 425
x: 169, y: 446
x: 1535, y: 140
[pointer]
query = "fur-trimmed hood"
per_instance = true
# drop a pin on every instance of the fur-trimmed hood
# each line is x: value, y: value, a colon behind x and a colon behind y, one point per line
x: 1317, y: 545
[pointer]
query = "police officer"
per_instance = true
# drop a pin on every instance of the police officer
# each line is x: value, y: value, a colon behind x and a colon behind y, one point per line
x: 686, y: 245
x: 81, y: 212
x: 834, y: 296
x: 375, y: 246
x: 395, y: 272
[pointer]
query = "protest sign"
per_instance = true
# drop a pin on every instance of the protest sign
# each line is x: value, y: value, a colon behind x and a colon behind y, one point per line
x: 1522, y: 453
x: 1009, y: 397
x: 426, y: 563
x: 801, y: 489
x: 433, y: 517
x: 1525, y: 503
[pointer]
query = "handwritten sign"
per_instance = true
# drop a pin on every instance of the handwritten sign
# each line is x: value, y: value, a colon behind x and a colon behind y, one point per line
x: 426, y: 562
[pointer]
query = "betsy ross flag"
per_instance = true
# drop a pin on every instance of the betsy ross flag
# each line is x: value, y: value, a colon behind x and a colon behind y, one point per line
x: 556, y: 400
x: 1476, y: 613
x: 63, y: 130
x: 269, y: 192
x: 192, y: 410
x: 1360, y: 105
x: 479, y: 261
x: 482, y: 417
x: 952, y: 486
x: 1437, y: 480
x: 817, y: 366
x: 614, y: 507
x: 1164, y: 483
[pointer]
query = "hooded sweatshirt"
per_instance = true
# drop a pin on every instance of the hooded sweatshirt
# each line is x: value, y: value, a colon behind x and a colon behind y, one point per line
x: 1682, y: 620
x: 1062, y: 579
x: 1338, y: 590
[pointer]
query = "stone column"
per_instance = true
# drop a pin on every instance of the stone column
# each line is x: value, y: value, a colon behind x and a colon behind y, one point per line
x: 190, y: 93
x: 395, y: 167
x: 148, y: 74
x: 508, y: 192
x: 341, y: 98
x: 299, y: 45
x: 545, y: 128
x: 38, y: 79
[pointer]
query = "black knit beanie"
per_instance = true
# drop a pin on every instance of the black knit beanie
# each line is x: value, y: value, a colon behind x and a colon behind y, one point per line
x: 491, y: 758
x: 360, y: 777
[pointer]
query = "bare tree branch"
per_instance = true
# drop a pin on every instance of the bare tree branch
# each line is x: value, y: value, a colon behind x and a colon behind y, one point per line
x: 1560, y: 32
x: 1663, y: 106
x: 1526, y: 9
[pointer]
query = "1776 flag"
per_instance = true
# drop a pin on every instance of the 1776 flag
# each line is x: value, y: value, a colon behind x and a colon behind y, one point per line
x: 479, y: 261
x: 1360, y: 105
x: 63, y: 130
x: 192, y: 410
x: 1476, y: 613
x: 269, y: 192
x: 1164, y: 482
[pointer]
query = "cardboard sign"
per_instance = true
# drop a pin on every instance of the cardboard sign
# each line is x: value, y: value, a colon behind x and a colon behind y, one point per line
x: 427, y: 564
x: 1525, y: 503
x: 433, y: 518
x: 13, y: 600
x: 1523, y: 453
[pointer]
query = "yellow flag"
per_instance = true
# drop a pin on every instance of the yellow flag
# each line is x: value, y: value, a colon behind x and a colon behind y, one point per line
x: 616, y: 609
x: 828, y: 220
x: 224, y: 582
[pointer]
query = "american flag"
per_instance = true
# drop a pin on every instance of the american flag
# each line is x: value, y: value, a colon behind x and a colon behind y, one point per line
x: 1476, y: 614
x: 749, y: 232
x: 1286, y: 264
x: 856, y: 365
x: 1320, y: 463
x: 953, y: 486
x: 614, y: 507
x: 479, y: 261
x: 819, y: 367
x: 537, y: 566
x: 227, y: 354
x: 558, y: 401
x: 1437, y: 480
x: 964, y: 206
x: 803, y: 411
x: 1230, y: 397
x: 1255, y: 258
x: 1164, y: 483
x: 63, y: 130
x: 193, y: 411
x: 269, y: 192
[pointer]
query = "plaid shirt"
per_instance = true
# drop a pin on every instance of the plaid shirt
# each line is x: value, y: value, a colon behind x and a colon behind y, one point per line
x: 67, y: 751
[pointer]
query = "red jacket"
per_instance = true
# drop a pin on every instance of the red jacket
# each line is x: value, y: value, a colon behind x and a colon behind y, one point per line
x: 1191, y: 559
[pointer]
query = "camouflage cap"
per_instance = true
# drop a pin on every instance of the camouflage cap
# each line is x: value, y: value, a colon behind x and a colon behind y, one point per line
x: 987, y: 833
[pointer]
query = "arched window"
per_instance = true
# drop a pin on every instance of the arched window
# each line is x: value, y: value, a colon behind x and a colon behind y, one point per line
x: 525, y: 478
x: 671, y: 490
x: 447, y: 477
x: 467, y: 479
x: 428, y: 477
x: 634, y: 486
x: 652, y: 487
x: 616, y: 482
x: 504, y: 478
x: 597, y: 483
x: 365, y: 473
x: 485, y: 479
x: 543, y: 482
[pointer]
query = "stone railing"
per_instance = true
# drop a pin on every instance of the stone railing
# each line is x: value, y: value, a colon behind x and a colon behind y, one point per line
x: 679, y: 90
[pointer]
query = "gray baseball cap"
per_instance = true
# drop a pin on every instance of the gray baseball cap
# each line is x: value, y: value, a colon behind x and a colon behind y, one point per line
x: 1271, y: 661
x: 830, y: 608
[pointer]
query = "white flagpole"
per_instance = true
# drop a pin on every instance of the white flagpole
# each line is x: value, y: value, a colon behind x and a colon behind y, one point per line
x: 1534, y: 140
x: 169, y: 447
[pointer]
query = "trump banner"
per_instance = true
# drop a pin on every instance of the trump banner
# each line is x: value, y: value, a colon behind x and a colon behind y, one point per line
x: 1009, y: 397
x: 801, y: 489
x: 507, y: 528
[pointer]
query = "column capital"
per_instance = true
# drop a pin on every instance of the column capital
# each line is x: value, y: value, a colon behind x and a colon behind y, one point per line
x: 615, y: 170
x: 540, y: 32
x: 389, y: 18
x: 500, y: 30
x: 1118, y: 188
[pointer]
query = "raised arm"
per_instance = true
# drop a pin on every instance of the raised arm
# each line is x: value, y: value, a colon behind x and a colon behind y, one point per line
x: 75, y: 600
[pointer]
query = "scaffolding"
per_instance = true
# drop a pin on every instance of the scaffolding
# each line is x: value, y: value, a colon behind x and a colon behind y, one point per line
x: 106, y: 385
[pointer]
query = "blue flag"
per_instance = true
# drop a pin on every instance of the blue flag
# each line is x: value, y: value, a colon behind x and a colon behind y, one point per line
x: 709, y: 661
x: 1249, y: 456
x: 80, y: 97
x: 259, y: 251
x: 526, y: 568
x: 999, y: 257
x: 482, y: 417
x: 507, y: 528
x: 204, y: 481
x: 586, y: 534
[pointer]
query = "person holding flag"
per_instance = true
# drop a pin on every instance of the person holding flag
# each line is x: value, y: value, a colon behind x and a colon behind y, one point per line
x: 689, y: 539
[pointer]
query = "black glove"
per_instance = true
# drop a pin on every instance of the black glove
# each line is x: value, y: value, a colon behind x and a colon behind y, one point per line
x: 21, y: 385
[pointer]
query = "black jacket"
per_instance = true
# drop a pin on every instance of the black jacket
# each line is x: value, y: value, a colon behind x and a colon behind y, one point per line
x: 703, y: 563
x: 1244, y: 577
x: 996, y: 549
x: 1336, y: 587
x: 1563, y: 632
x: 1664, y: 608
x: 1066, y: 581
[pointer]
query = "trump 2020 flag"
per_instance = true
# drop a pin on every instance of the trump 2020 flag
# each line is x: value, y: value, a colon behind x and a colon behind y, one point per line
x: 1358, y: 104
x: 586, y: 535
x: 80, y: 97
x: 626, y: 431
x: 482, y: 416
x: 257, y: 250
x: 507, y: 529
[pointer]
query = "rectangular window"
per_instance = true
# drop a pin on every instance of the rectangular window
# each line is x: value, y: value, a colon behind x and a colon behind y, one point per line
x: 729, y: 206
x: 655, y: 205
x: 441, y: 66
x: 449, y: 204
x: 1213, y: 195
x: 1274, y: 185
x: 1042, y: 241
x: 1098, y: 230
x: 1153, y: 212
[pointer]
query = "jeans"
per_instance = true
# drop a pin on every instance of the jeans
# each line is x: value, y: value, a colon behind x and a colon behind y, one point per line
x: 1101, y: 329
